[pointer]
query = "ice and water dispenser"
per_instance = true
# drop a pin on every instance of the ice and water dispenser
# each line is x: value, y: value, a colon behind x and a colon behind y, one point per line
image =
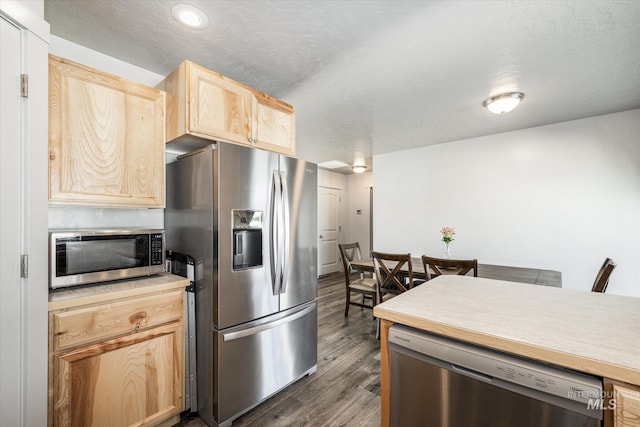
x: 247, y: 239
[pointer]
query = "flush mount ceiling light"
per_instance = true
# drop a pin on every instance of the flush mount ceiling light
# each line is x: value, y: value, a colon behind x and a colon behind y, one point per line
x: 503, y: 103
x: 359, y: 168
x: 189, y: 16
x: 333, y: 164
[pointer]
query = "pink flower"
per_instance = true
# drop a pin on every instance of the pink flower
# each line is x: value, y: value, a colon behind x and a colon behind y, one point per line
x: 447, y: 234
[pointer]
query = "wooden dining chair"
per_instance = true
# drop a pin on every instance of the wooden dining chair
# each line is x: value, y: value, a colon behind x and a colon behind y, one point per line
x: 393, y: 273
x: 602, y: 278
x: 433, y: 266
x: 366, y: 286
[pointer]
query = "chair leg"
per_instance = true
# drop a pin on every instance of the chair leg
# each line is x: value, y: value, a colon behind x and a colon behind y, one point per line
x: 346, y: 308
x: 374, y: 302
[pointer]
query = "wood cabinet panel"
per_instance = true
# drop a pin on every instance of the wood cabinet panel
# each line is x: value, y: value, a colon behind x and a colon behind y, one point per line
x: 204, y: 106
x: 118, y: 361
x: 275, y: 125
x: 133, y: 380
x: 627, y: 405
x: 91, y: 324
x: 106, y: 138
x: 219, y: 108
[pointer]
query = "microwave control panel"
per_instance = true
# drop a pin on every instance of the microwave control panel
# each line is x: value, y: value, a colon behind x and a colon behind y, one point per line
x: 157, y: 250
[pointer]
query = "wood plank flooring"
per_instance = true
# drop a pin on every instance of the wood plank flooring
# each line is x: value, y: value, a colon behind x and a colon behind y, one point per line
x: 345, y: 390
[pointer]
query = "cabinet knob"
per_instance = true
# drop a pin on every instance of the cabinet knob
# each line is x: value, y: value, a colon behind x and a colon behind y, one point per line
x: 137, y: 327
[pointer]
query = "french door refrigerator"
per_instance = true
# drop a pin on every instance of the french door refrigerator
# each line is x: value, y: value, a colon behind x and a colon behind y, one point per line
x: 249, y: 218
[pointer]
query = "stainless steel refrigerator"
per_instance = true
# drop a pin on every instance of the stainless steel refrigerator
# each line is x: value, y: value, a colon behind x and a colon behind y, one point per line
x: 249, y: 218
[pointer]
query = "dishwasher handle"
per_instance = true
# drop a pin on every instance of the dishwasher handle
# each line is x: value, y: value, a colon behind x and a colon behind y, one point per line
x: 472, y: 374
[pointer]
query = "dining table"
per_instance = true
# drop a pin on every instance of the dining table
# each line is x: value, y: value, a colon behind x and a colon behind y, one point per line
x: 534, y: 276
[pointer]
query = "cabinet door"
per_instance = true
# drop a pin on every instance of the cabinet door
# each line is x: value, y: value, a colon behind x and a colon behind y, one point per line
x: 275, y: 125
x: 627, y: 405
x: 219, y: 108
x: 133, y: 380
x: 106, y: 139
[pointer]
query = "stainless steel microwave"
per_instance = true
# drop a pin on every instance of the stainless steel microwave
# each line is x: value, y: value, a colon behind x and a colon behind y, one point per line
x: 81, y: 257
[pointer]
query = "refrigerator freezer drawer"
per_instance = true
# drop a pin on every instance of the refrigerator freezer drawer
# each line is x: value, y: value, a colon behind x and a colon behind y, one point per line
x: 253, y: 362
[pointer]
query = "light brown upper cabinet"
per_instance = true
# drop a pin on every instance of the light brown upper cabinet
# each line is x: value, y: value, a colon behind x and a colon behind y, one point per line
x: 204, y: 105
x: 275, y: 128
x: 106, y: 139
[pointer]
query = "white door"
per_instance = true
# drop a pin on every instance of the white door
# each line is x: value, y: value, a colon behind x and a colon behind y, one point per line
x: 329, y: 229
x: 10, y: 226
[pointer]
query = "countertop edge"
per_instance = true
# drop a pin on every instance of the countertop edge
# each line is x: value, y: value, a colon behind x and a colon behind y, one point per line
x: 115, y: 290
x: 548, y: 355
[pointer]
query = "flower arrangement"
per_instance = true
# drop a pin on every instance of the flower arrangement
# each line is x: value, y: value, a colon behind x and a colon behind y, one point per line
x: 447, y: 234
x: 447, y: 238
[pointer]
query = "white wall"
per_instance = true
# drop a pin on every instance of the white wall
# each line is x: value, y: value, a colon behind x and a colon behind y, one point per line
x: 331, y: 179
x: 36, y: 6
x: 561, y: 197
x: 108, y: 64
x: 355, y: 195
x: 92, y: 217
x: 357, y: 199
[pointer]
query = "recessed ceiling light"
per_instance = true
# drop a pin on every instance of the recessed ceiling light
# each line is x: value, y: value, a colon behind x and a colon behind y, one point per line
x: 503, y: 103
x: 190, y: 16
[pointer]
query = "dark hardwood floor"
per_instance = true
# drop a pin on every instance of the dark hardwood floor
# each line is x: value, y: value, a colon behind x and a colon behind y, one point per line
x: 345, y: 390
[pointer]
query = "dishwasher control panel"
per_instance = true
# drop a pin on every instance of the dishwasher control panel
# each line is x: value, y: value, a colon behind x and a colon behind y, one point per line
x: 486, y: 364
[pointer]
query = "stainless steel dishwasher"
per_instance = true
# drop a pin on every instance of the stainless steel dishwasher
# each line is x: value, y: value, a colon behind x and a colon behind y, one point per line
x: 439, y: 382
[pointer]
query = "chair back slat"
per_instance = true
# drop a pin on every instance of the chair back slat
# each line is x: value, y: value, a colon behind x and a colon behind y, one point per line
x: 433, y: 266
x: 391, y: 275
x: 349, y: 252
x: 364, y: 286
x: 602, y: 278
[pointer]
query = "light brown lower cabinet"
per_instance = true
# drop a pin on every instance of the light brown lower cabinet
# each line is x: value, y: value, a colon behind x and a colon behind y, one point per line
x: 133, y: 378
x: 622, y: 404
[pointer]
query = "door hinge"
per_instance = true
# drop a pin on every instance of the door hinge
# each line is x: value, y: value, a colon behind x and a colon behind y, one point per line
x: 24, y: 85
x: 24, y: 266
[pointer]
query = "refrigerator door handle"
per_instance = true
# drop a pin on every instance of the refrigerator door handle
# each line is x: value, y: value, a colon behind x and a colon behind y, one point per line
x: 230, y: 336
x: 274, y: 233
x: 285, y: 232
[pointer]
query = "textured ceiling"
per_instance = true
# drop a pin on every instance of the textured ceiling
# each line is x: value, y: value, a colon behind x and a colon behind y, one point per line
x: 369, y: 77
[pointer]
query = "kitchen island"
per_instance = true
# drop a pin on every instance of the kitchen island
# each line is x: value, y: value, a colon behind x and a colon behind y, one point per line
x: 587, y: 332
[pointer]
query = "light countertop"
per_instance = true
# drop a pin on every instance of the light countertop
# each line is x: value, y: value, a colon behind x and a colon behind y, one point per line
x: 585, y: 331
x: 73, y: 297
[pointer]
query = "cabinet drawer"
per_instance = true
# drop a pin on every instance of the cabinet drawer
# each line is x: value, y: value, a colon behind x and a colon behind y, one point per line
x: 99, y: 322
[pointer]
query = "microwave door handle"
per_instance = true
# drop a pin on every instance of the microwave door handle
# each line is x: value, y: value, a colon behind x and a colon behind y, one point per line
x: 285, y: 232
